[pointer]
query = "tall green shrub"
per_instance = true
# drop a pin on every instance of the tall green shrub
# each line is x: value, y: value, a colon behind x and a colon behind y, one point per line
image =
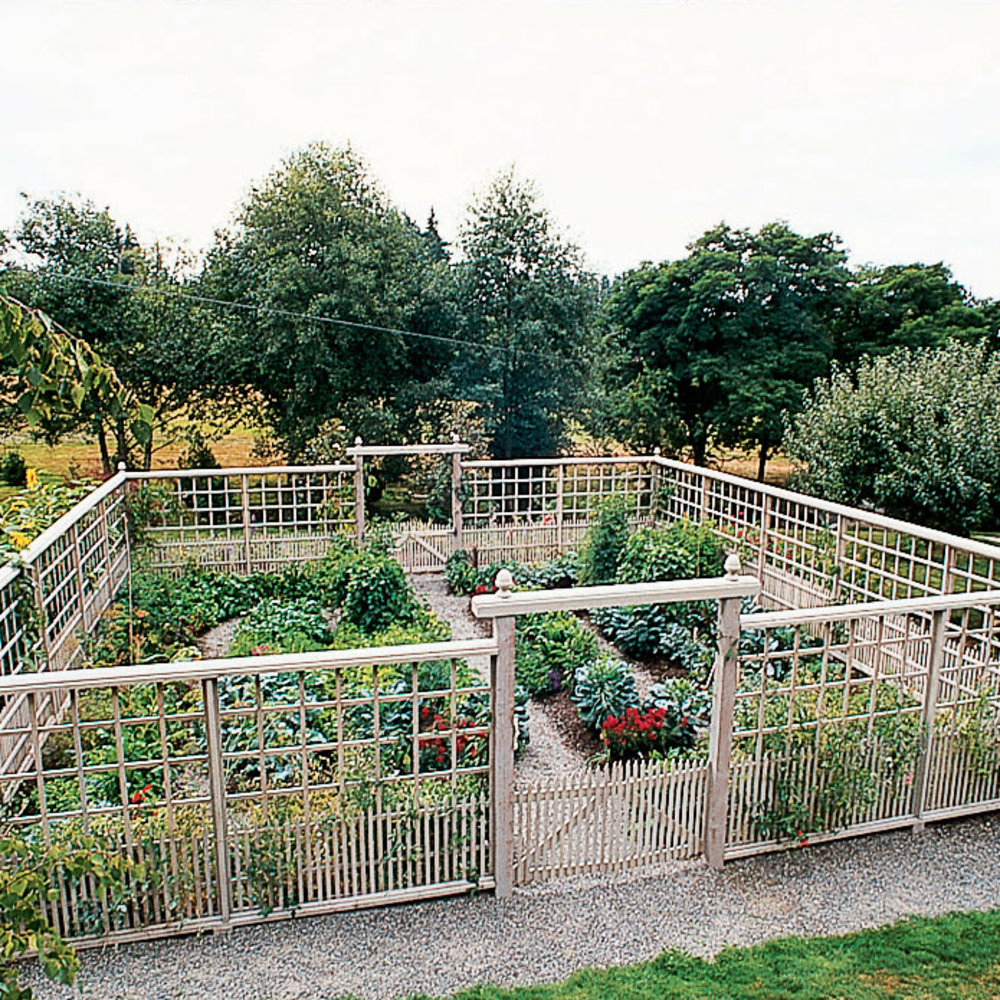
x: 605, y: 541
x: 915, y: 433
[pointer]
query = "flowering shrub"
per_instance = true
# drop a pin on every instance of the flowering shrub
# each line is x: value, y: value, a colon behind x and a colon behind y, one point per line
x: 639, y: 733
x: 471, y: 749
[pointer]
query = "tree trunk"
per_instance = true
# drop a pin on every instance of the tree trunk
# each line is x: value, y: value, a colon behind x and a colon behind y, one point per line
x: 102, y: 444
x: 699, y: 448
x: 120, y: 441
x: 147, y: 451
x: 765, y: 447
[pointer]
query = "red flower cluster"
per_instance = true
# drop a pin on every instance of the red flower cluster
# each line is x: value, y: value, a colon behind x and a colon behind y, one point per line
x: 434, y: 749
x: 636, y: 732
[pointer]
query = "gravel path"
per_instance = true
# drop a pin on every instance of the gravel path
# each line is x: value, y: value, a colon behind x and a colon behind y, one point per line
x: 216, y: 641
x: 548, y: 753
x: 545, y: 933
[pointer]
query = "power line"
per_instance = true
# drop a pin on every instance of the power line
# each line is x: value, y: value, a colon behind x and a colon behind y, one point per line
x: 290, y: 314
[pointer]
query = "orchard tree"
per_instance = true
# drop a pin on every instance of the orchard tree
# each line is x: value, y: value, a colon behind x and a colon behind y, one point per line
x: 915, y: 433
x: 527, y: 304
x: 715, y: 347
x: 328, y: 273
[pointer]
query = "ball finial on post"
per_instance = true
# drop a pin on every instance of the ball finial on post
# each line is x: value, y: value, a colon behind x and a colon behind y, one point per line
x: 732, y: 566
x: 122, y: 466
x: 357, y: 441
x: 504, y: 581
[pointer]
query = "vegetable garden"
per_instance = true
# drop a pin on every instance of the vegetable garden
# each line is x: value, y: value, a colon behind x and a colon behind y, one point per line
x: 342, y: 749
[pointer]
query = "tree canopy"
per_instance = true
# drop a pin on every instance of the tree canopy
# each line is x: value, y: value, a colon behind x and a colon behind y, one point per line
x: 907, y: 305
x: 331, y: 273
x: 714, y: 347
x: 91, y: 273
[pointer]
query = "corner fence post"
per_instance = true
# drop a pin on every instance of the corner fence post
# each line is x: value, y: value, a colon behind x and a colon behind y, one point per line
x: 502, y: 744
x: 359, y: 493
x: 720, y: 733
x: 217, y: 791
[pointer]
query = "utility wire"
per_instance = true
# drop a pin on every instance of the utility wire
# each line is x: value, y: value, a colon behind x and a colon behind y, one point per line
x: 288, y: 314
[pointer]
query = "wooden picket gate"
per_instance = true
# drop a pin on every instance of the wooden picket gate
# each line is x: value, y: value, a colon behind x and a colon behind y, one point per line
x: 609, y: 819
x: 423, y: 547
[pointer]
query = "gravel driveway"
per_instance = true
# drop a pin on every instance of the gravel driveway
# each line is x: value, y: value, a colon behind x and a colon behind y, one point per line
x: 545, y: 933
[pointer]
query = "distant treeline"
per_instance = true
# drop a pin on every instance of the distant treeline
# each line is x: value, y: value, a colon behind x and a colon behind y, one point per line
x: 324, y: 312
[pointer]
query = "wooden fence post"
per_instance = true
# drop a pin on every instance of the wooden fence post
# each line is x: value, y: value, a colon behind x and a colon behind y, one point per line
x: 217, y: 791
x: 654, y: 488
x: 245, y: 507
x: 359, y: 493
x: 720, y: 733
x: 502, y: 744
x: 932, y: 691
x: 560, y: 498
x: 456, y: 493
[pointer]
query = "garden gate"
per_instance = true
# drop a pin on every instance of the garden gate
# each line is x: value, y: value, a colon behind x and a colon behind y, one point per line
x: 421, y: 546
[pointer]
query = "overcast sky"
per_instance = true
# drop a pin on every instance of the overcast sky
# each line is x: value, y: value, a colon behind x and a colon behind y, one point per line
x: 641, y: 123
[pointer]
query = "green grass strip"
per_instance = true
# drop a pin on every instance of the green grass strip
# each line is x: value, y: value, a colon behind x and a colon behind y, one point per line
x: 955, y: 956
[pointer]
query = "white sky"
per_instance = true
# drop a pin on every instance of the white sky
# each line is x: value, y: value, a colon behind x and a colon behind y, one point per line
x: 642, y: 124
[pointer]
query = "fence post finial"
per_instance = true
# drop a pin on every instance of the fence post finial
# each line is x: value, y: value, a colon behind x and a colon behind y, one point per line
x: 504, y: 581
x: 656, y: 451
x: 455, y: 437
x: 122, y: 466
x: 358, y: 442
x: 732, y: 566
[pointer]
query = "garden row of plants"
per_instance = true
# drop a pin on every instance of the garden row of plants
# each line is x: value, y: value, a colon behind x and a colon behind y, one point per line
x: 557, y: 650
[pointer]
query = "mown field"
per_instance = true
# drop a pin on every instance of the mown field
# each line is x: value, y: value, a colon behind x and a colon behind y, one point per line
x: 956, y: 957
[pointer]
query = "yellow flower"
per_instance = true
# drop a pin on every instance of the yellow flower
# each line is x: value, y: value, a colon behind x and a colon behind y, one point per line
x: 20, y: 539
x: 31, y: 479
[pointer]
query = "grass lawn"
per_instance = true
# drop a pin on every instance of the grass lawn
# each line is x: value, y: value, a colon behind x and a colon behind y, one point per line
x: 957, y: 956
x: 79, y: 455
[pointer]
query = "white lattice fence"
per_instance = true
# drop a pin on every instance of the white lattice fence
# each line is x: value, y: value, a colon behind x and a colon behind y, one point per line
x: 242, y: 520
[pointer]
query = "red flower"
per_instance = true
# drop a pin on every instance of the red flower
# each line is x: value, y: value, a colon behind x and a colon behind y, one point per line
x: 138, y: 796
